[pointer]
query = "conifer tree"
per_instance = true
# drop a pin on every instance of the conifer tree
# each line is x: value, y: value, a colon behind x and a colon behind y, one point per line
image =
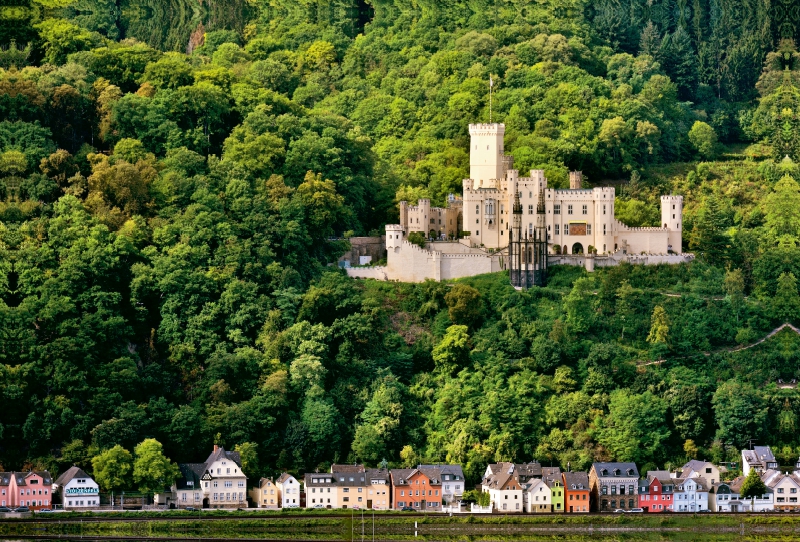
x: 650, y: 41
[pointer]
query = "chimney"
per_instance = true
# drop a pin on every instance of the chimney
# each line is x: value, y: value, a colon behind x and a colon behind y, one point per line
x: 216, y: 448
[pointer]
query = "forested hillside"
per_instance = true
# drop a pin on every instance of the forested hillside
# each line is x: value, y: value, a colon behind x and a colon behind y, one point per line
x: 175, y: 179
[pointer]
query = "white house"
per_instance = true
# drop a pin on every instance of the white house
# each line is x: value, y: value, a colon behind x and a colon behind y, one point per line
x: 726, y: 497
x: 538, y: 496
x: 289, y: 489
x: 77, y: 489
x: 321, y: 490
x: 760, y: 458
x: 501, y: 482
x: 690, y: 495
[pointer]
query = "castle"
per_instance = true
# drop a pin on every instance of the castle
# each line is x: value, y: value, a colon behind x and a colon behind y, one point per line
x: 471, y: 235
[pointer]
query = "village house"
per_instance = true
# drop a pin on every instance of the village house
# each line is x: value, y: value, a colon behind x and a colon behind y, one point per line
x: 217, y: 483
x: 694, y: 469
x: 352, y: 484
x: 556, y: 485
x: 502, y: 482
x: 378, y: 489
x: 785, y: 489
x: 32, y: 489
x: 576, y: 492
x: 759, y: 458
x: 538, y: 497
x: 266, y: 494
x: 724, y: 497
x: 613, y: 486
x: 422, y: 488
x: 289, y: 489
x: 453, y: 482
x: 690, y: 495
x: 76, y: 489
x: 656, y: 491
x: 321, y: 490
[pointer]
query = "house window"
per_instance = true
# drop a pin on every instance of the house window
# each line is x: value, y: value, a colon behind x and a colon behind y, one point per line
x: 569, y: 209
x: 530, y: 209
x: 557, y: 209
x: 585, y: 210
x: 588, y: 229
x: 604, y: 209
x: 566, y: 229
x: 557, y: 229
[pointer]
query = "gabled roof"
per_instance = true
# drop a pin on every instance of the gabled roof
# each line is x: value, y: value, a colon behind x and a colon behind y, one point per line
x: 576, y: 481
x: 400, y: 476
x: 264, y: 481
x: 445, y: 469
x: 283, y: 477
x: 620, y: 470
x: 191, y: 474
x: 321, y: 477
x: 5, y: 478
x: 220, y: 454
x: 377, y: 474
x: 702, y: 483
x: 68, y: 475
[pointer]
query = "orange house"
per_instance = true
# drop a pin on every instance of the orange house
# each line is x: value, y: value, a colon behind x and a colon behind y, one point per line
x: 420, y: 489
x: 576, y: 492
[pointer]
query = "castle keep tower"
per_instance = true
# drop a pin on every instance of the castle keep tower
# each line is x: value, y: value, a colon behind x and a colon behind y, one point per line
x: 486, y: 153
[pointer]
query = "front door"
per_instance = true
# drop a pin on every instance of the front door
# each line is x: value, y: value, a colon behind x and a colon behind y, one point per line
x: 369, y: 503
x: 570, y: 508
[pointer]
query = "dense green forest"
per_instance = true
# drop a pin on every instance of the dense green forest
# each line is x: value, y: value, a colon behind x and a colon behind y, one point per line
x: 175, y: 179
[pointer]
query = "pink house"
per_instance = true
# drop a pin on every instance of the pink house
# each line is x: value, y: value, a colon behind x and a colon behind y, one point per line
x: 32, y: 489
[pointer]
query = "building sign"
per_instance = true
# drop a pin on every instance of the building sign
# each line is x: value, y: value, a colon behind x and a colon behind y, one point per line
x: 577, y: 228
x: 81, y: 491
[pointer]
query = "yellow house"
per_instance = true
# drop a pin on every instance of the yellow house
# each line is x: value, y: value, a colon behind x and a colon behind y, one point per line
x: 266, y: 494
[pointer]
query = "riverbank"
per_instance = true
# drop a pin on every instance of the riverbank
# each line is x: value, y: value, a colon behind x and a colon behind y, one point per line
x: 390, y: 527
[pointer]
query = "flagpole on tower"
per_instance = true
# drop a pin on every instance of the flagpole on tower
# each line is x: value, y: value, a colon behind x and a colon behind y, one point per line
x: 491, y: 86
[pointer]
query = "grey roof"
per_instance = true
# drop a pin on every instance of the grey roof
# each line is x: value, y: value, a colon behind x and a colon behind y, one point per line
x: 377, y: 474
x: 68, y: 475
x: 324, y: 479
x: 662, y: 475
x: 191, y: 473
x: 445, y: 469
x: 580, y: 480
x: 611, y: 469
x: 400, y: 476
x: 194, y: 472
x: 283, y: 477
x: 220, y: 453
x: 5, y: 478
